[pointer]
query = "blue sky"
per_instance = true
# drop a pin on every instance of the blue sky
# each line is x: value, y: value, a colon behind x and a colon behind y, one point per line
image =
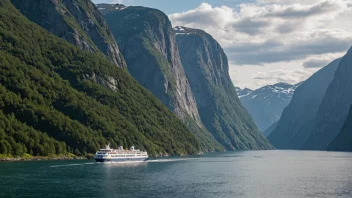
x: 266, y: 41
x: 172, y: 6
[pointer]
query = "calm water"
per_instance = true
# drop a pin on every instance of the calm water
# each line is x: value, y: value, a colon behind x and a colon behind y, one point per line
x: 237, y: 174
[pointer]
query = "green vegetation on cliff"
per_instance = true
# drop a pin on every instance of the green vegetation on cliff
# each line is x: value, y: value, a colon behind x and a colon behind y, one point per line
x: 206, y: 67
x: 147, y: 41
x: 52, y: 99
x: 77, y: 21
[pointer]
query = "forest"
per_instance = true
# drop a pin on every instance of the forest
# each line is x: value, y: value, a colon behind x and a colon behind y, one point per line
x: 56, y: 98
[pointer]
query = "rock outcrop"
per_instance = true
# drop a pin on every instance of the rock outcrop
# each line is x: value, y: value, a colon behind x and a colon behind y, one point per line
x: 297, y: 120
x: 51, y: 103
x: 147, y: 41
x: 77, y: 21
x: 334, y: 108
x: 206, y: 67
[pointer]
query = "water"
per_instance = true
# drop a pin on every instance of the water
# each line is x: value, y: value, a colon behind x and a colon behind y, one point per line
x: 236, y: 174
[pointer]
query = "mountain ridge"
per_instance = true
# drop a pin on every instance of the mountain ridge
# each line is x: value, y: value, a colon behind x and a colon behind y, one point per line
x: 267, y: 103
x: 206, y: 67
x: 147, y: 41
x: 77, y: 21
x: 297, y: 120
x: 50, y: 89
x: 334, y: 107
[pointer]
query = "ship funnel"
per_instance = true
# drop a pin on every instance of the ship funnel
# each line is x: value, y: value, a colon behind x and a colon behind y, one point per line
x: 132, y: 148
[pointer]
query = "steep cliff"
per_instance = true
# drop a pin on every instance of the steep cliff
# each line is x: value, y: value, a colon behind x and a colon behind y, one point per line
x: 147, y: 42
x: 334, y: 108
x: 77, y: 21
x: 343, y: 142
x: 206, y: 68
x: 267, y: 103
x: 51, y: 103
x: 297, y: 120
x: 269, y: 130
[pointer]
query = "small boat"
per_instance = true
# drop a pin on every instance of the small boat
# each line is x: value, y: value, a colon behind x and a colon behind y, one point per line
x: 120, y: 155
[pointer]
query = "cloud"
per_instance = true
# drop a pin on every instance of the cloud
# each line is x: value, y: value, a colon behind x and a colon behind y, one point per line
x: 250, y: 26
x: 316, y: 63
x: 263, y: 33
x: 205, y: 14
x: 274, y: 31
x: 312, y: 43
x: 291, y: 77
x: 298, y: 11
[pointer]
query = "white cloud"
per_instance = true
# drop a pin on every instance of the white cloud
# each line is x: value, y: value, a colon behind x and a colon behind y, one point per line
x: 275, y: 35
x: 316, y: 62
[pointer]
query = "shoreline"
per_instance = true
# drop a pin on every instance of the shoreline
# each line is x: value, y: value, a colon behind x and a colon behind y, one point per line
x: 21, y: 159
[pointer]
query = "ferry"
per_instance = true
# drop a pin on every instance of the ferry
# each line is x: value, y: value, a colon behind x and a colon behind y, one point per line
x: 120, y: 155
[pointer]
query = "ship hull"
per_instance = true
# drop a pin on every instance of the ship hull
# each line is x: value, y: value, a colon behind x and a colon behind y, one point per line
x: 117, y: 160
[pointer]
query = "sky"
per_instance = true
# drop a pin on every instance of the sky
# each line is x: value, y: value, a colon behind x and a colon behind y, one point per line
x: 266, y: 41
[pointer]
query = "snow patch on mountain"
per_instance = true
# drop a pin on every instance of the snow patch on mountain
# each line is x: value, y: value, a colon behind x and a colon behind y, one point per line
x: 267, y: 103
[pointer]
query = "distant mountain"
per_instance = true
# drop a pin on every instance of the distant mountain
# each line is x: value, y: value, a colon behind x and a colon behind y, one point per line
x: 206, y: 67
x: 147, y: 41
x: 243, y: 92
x: 269, y: 130
x: 78, y: 22
x: 343, y: 142
x: 267, y: 103
x: 297, y: 120
x: 334, y: 108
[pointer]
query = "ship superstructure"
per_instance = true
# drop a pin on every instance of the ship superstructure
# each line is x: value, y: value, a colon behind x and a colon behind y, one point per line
x: 120, y: 155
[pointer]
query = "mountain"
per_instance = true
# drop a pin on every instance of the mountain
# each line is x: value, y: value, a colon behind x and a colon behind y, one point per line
x: 56, y: 98
x: 270, y: 129
x: 267, y: 103
x: 77, y: 21
x: 334, y: 108
x: 297, y: 120
x: 243, y: 92
x: 147, y: 42
x: 343, y: 142
x: 206, y: 67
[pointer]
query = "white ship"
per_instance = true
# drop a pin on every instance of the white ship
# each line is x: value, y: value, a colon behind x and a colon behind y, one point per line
x: 120, y: 155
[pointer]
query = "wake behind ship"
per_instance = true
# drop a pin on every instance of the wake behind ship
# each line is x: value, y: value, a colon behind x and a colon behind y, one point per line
x: 120, y: 155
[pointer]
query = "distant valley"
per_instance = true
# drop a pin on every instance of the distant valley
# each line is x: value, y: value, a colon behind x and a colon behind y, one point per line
x: 267, y: 103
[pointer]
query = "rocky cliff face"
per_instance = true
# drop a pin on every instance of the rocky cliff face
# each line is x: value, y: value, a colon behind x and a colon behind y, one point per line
x: 147, y: 41
x: 267, y: 103
x: 206, y: 68
x: 269, y: 130
x: 297, y: 120
x: 343, y: 142
x: 77, y: 21
x: 45, y: 77
x: 334, y: 108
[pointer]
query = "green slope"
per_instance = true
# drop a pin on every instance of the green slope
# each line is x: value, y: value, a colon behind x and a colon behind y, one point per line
x: 147, y: 41
x: 206, y: 67
x: 49, y: 89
